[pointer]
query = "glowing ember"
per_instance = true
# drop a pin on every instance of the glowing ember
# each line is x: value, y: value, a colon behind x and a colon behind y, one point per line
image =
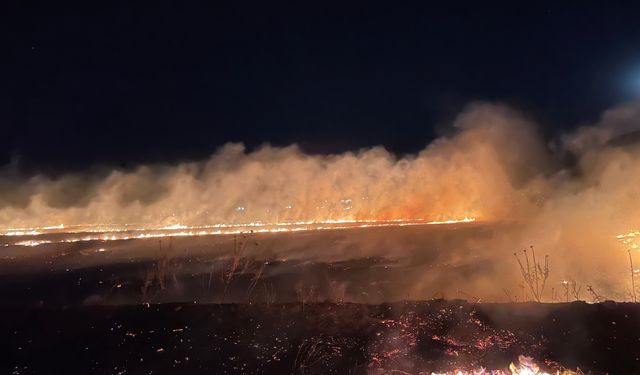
x: 525, y: 366
x: 81, y: 233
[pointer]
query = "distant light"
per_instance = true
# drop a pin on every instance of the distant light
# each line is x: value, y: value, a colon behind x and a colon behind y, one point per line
x: 632, y: 82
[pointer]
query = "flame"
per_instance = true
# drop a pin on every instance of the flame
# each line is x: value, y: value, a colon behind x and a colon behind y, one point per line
x: 526, y: 366
x: 629, y: 239
x: 83, y: 233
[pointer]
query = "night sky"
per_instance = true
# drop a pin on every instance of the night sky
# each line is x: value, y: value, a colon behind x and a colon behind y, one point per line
x: 110, y: 82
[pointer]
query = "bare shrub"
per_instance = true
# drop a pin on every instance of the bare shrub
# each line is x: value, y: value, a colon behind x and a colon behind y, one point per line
x: 596, y: 297
x: 571, y: 289
x: 535, y: 274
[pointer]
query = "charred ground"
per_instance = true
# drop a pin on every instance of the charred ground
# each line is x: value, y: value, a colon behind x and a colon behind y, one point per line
x: 234, y: 305
x: 317, y: 338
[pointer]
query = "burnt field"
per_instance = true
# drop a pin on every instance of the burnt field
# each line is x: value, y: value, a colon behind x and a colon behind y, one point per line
x: 362, y: 265
x: 403, y: 300
x: 319, y: 338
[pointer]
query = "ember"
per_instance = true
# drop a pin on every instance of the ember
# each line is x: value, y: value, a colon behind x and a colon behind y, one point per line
x: 525, y: 366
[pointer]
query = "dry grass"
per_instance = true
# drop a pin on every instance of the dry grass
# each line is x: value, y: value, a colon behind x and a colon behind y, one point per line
x: 160, y: 274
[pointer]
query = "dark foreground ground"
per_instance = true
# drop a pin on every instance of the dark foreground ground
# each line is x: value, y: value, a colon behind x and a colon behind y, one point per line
x: 321, y: 338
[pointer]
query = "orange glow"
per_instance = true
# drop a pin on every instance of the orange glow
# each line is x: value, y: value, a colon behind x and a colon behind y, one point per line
x: 525, y: 366
x: 82, y: 233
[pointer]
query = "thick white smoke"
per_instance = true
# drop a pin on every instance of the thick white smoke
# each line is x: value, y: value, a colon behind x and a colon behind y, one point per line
x: 495, y: 167
x: 478, y: 172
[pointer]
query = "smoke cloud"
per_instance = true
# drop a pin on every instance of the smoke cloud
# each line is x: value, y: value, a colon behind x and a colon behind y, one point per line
x: 495, y: 167
x: 482, y: 171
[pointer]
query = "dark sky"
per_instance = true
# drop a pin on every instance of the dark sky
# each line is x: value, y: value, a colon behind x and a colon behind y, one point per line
x: 111, y: 82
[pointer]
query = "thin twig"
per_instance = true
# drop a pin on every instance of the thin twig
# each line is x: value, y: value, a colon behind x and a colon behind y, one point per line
x: 633, y: 283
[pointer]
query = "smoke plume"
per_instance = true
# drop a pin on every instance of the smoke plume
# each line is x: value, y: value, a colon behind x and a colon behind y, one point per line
x: 569, y: 197
x: 482, y: 171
